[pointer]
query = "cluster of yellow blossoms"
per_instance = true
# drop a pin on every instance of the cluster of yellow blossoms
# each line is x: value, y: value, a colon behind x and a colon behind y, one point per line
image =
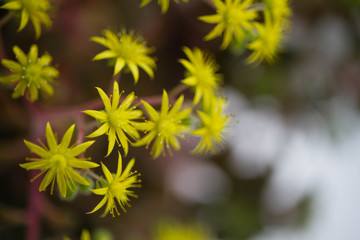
x: 127, y: 121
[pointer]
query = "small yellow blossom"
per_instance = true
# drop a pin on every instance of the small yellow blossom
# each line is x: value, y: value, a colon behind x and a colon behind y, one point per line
x: 117, y: 188
x: 266, y: 44
x: 58, y: 160
x: 126, y: 50
x: 118, y: 121
x: 234, y: 18
x: 201, y: 75
x: 171, y: 230
x: 165, y: 126
x: 35, y: 10
x: 164, y: 4
x: 279, y: 11
x: 30, y: 72
x: 213, y: 126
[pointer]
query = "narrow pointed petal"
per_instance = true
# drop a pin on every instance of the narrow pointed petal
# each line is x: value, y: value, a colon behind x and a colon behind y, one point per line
x: 107, y: 173
x: 99, y: 115
x: 33, y: 53
x: 80, y: 148
x: 102, y: 203
x: 105, y: 99
x: 14, y: 5
x: 164, y: 104
x: 74, y: 175
x: 104, y: 55
x: 119, y: 65
x: 52, y: 142
x: 100, y: 191
x: 100, y: 131
x: 67, y: 138
x: 111, y: 139
x: 119, y: 166
x: 20, y: 55
x: 37, y: 149
x: 60, y: 178
x: 134, y: 70
x: 153, y: 114
x: 115, y: 96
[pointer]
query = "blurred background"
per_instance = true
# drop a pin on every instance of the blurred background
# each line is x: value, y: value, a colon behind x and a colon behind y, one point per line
x: 290, y: 166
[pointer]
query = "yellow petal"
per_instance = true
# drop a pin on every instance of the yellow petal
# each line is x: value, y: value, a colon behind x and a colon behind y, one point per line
x: 52, y: 142
x: 67, y: 138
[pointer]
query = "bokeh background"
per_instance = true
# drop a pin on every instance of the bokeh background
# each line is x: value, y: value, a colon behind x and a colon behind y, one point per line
x: 290, y: 167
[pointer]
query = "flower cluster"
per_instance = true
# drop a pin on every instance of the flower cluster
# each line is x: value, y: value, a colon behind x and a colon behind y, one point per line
x: 236, y: 21
x: 158, y: 121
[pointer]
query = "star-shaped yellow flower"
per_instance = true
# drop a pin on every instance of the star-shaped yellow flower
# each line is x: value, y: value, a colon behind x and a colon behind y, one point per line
x: 116, y: 188
x: 213, y: 126
x: 58, y: 161
x: 267, y: 42
x: 165, y: 126
x: 35, y: 10
x: 31, y: 74
x: 201, y: 75
x: 233, y: 18
x: 126, y: 50
x: 118, y: 121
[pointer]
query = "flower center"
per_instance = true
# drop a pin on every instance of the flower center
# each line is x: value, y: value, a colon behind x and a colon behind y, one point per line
x: 118, y: 118
x: 33, y: 72
x: 59, y: 161
x: 166, y: 126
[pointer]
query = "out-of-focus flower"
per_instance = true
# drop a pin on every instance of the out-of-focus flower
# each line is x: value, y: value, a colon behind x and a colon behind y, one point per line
x: 233, y: 18
x: 279, y: 11
x: 128, y: 50
x: 213, y: 126
x: 201, y: 75
x: 179, y: 231
x: 30, y: 72
x: 35, y: 10
x: 116, y: 188
x: 267, y: 42
x: 118, y: 121
x: 58, y: 160
x: 164, y: 127
x: 164, y: 4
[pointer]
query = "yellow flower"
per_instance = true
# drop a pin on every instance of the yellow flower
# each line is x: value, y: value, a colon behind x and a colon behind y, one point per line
x: 234, y: 18
x: 117, y: 188
x: 213, y: 125
x: 201, y: 75
x: 165, y: 126
x: 58, y: 160
x: 171, y: 230
x: 118, y: 121
x: 279, y: 11
x: 126, y: 50
x: 35, y: 10
x: 164, y: 4
x: 30, y: 72
x: 266, y: 44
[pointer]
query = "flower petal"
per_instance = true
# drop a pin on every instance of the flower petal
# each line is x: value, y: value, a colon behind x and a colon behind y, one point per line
x: 80, y: 148
x: 52, y: 142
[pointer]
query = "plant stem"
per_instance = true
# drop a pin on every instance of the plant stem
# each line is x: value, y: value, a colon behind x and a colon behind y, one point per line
x: 5, y: 19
